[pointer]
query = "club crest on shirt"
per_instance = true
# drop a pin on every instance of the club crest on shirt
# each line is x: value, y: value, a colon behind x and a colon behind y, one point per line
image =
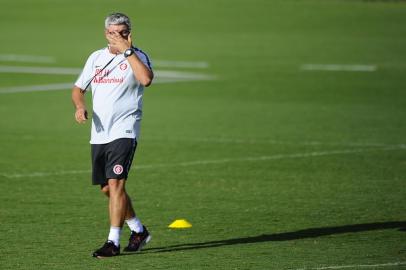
x: 118, y: 169
x: 123, y: 66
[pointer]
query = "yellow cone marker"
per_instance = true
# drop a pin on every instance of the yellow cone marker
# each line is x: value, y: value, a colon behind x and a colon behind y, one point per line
x: 180, y: 224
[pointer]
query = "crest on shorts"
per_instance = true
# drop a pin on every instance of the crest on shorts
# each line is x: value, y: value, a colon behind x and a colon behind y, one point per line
x: 118, y: 169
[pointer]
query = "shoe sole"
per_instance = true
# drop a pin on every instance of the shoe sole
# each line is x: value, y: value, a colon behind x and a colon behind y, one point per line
x: 104, y: 257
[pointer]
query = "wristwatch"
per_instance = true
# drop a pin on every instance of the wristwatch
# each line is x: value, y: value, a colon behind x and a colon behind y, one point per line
x: 128, y: 52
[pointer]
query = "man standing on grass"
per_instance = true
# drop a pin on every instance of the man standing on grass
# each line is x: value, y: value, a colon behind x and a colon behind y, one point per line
x: 117, y: 75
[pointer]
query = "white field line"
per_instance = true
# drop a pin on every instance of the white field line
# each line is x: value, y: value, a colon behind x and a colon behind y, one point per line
x: 27, y: 58
x: 213, y: 161
x: 36, y: 88
x: 180, y: 64
x: 160, y: 78
x: 338, y: 67
x: 165, y: 76
x: 356, y: 266
x: 40, y: 70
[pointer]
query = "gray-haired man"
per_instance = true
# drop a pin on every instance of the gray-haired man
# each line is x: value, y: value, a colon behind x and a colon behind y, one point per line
x: 117, y: 76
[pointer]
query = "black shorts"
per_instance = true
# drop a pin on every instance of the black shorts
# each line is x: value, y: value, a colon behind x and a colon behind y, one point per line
x: 112, y: 160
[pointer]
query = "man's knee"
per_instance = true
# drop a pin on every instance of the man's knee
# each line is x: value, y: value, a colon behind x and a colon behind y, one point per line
x: 116, y: 186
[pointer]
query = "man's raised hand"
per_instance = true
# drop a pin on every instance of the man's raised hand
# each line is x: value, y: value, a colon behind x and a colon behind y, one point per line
x: 117, y: 41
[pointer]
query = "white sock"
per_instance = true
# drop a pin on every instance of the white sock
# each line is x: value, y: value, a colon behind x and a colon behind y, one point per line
x: 114, y: 235
x: 135, y: 225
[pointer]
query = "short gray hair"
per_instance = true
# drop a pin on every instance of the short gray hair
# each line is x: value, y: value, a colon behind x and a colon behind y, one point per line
x: 117, y: 18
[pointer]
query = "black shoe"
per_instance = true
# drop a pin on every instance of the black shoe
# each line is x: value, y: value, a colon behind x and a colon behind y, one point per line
x: 138, y: 240
x: 107, y: 250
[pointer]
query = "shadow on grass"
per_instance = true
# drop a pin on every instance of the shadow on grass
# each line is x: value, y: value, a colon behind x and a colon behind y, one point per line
x: 296, y: 235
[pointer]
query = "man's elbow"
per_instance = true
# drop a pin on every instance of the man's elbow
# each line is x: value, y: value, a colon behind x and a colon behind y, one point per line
x: 147, y: 80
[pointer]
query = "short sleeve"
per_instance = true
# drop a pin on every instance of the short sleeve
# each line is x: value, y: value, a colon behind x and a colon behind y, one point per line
x: 87, y: 73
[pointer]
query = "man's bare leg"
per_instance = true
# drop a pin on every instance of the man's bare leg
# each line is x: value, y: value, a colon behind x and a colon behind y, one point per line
x: 130, y: 213
x: 117, y: 208
x: 118, y: 202
x: 139, y: 234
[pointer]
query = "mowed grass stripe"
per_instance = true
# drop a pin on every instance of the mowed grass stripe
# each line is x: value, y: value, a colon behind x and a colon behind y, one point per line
x: 218, y: 161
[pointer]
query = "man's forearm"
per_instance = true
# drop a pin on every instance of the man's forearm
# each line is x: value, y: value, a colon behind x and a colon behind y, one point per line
x: 78, y: 98
x: 143, y: 74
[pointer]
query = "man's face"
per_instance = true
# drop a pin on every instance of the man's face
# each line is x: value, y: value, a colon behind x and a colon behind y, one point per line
x: 117, y: 28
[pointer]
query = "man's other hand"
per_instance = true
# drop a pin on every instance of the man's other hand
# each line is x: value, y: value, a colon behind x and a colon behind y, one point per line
x: 81, y: 115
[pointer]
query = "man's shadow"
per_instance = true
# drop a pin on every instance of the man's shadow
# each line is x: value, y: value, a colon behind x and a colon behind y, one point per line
x: 287, y: 236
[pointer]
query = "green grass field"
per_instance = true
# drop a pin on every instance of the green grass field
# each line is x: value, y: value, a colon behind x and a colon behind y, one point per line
x: 276, y: 166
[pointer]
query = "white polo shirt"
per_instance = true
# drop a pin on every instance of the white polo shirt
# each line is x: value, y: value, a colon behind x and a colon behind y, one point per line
x: 116, y: 94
